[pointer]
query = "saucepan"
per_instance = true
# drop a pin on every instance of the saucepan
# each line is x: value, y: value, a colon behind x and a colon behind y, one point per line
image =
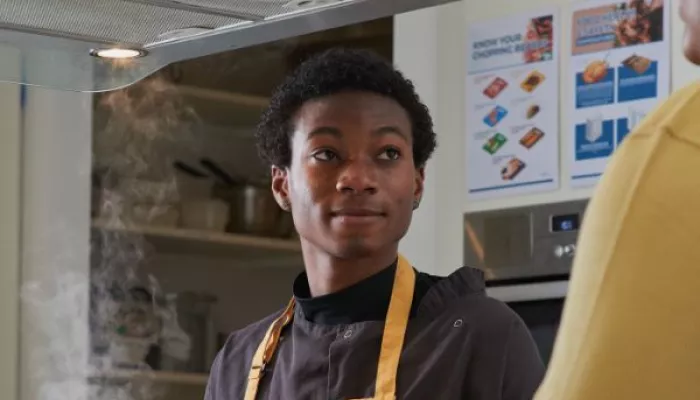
x: 254, y: 208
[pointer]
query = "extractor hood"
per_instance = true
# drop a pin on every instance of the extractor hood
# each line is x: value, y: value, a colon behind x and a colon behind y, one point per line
x: 55, y: 43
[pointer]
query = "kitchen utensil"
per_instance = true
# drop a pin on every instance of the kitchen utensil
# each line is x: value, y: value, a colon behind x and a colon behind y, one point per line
x: 192, y: 184
x: 136, y: 315
x: 189, y: 170
x: 207, y: 214
x: 218, y: 172
x: 254, y: 209
x: 134, y: 327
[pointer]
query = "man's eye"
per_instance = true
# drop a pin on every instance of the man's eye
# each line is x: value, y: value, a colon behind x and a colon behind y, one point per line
x: 325, y: 155
x: 390, y: 154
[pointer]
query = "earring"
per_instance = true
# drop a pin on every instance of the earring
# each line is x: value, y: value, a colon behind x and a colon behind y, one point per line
x: 416, y: 204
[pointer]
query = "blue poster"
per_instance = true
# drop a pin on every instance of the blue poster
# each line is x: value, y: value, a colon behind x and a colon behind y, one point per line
x: 619, y: 71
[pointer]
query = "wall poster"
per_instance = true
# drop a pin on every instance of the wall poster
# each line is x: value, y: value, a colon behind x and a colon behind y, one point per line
x: 620, y: 70
x: 512, y: 101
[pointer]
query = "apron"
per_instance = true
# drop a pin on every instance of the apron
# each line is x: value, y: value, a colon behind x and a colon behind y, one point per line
x: 392, y: 338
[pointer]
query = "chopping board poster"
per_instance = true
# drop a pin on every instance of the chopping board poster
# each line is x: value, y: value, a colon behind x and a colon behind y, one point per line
x: 620, y: 71
x: 512, y: 99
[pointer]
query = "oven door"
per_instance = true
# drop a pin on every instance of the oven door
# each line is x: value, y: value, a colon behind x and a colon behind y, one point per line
x: 540, y: 306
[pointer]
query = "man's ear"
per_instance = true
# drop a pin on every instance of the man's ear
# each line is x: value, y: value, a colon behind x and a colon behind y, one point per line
x: 418, y: 186
x: 280, y: 187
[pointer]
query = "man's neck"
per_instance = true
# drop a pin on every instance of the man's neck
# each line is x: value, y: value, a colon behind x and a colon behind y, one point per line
x: 328, y: 274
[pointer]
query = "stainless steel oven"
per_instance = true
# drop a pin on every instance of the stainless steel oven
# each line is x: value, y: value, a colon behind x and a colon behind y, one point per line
x: 526, y: 254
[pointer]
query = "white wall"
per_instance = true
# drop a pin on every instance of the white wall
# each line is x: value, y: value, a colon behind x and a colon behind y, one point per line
x: 56, y: 166
x: 10, y: 148
x: 418, y: 30
x: 430, y: 47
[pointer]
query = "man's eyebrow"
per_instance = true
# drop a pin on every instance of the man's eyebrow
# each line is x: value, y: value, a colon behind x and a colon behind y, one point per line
x: 381, y: 131
x: 390, y: 130
x: 324, y: 130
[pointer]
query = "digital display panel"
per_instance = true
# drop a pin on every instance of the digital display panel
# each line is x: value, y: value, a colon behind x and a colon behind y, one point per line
x: 565, y: 223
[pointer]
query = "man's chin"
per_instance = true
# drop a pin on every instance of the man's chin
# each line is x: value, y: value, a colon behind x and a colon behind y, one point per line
x: 354, y: 247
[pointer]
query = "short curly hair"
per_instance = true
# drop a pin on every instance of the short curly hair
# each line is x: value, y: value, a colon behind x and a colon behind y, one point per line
x: 333, y: 71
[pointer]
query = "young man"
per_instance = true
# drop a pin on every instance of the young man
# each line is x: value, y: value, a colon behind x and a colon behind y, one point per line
x: 347, y: 139
x: 631, y: 325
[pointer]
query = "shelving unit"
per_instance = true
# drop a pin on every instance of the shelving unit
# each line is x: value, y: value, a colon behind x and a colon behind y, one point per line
x: 234, y: 246
x: 160, y: 377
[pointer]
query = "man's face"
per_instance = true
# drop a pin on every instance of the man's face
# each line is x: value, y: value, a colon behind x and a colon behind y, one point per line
x: 690, y: 13
x: 352, y: 180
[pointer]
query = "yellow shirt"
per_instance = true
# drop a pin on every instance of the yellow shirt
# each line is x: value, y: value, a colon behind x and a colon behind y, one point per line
x: 631, y: 323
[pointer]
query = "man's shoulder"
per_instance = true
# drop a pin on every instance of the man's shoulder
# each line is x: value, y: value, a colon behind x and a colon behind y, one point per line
x: 229, y: 372
x: 493, y: 314
x: 251, y: 335
x: 236, y: 354
x: 498, y: 335
x: 464, y: 297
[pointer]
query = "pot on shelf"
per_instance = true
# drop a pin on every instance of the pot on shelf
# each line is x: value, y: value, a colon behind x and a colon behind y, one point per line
x: 254, y: 208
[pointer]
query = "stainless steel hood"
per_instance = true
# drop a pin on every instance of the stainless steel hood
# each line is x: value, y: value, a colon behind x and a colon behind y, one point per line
x: 51, y: 42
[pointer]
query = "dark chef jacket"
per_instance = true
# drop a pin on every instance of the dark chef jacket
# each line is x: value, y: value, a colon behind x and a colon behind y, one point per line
x: 460, y: 344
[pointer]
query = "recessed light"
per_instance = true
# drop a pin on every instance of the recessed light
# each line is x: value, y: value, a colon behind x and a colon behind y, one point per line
x: 118, y: 53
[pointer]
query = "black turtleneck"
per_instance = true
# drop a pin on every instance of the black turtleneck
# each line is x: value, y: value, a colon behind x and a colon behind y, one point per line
x: 367, y: 300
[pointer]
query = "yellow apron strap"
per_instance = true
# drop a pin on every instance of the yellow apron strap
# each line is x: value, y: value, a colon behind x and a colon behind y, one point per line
x: 392, y: 339
x: 266, y: 349
x: 395, y: 330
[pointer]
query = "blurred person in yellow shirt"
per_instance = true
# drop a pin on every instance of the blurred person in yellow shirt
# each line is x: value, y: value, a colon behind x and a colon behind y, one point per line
x: 631, y: 324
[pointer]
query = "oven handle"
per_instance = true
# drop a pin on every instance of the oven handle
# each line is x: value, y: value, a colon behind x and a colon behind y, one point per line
x: 530, y: 291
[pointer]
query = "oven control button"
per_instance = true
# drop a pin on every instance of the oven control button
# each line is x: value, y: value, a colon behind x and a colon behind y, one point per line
x: 559, y: 251
x: 570, y: 250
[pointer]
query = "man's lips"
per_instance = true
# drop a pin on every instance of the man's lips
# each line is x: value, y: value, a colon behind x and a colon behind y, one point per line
x: 357, y: 213
x: 356, y: 216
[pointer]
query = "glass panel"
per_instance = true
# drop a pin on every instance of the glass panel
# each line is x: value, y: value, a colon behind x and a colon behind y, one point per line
x: 65, y: 64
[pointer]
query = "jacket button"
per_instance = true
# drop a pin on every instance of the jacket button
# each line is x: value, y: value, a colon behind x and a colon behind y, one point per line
x: 347, y: 334
x: 458, y: 323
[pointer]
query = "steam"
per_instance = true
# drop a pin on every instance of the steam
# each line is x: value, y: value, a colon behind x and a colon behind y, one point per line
x: 147, y: 125
x: 148, y: 128
x: 139, y: 132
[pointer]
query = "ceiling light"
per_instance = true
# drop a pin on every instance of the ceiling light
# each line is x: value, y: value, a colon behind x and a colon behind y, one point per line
x: 116, y: 53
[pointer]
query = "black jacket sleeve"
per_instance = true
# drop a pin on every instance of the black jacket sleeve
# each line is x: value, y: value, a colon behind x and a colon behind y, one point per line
x: 212, y: 384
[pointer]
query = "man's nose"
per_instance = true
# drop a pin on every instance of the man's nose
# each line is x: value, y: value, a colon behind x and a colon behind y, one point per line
x: 358, y: 176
